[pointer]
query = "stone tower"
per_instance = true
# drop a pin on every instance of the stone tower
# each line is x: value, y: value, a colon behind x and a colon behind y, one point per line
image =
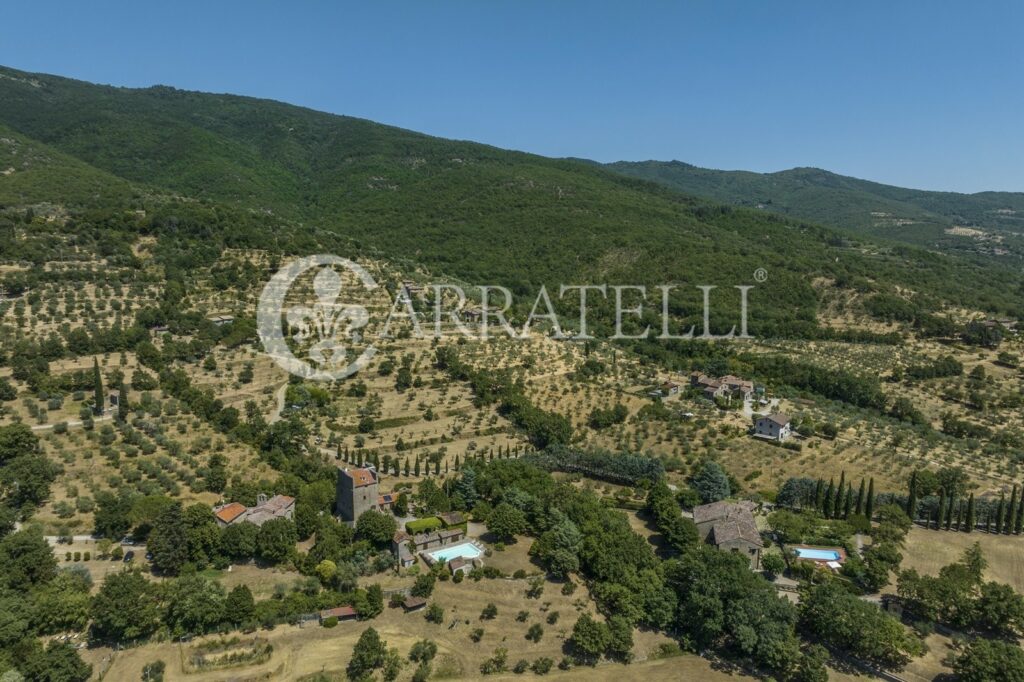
x: 356, y: 493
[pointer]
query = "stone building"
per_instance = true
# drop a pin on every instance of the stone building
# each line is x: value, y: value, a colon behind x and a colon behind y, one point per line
x: 356, y: 493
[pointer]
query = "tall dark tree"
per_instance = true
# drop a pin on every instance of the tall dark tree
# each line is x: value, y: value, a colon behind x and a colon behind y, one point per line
x: 837, y: 505
x: 860, y: 498
x: 168, y: 543
x: 1011, y: 516
x: 123, y: 401
x: 912, y: 497
x: 239, y: 608
x: 1018, y: 523
x: 949, y: 512
x: 1000, y: 513
x: 819, y: 495
x: 830, y: 499
x: 869, y: 503
x: 940, y: 514
x: 97, y: 380
x: 367, y: 655
x: 971, y: 517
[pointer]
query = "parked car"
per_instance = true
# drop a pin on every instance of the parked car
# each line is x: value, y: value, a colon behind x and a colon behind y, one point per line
x: 128, y: 557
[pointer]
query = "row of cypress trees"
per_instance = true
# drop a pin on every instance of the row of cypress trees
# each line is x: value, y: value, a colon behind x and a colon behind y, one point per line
x: 956, y: 513
x: 839, y: 501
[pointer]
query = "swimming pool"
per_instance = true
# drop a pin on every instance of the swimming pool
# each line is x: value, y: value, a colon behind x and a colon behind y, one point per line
x: 466, y: 550
x: 817, y: 554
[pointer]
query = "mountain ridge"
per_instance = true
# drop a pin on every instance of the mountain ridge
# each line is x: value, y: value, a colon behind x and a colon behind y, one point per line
x: 922, y: 217
x: 466, y: 209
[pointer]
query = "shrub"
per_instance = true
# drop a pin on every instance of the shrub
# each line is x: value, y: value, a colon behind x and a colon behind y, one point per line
x: 542, y: 666
x: 330, y: 622
x: 435, y: 614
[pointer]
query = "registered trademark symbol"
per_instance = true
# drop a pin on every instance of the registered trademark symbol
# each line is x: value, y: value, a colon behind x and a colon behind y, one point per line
x: 761, y: 275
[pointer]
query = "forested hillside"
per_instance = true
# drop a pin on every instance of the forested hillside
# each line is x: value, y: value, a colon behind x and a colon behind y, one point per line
x: 870, y: 208
x: 279, y: 176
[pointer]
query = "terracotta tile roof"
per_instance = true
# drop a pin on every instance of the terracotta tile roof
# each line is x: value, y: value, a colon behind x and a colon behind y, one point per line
x: 339, y: 612
x: 361, y: 477
x: 229, y: 512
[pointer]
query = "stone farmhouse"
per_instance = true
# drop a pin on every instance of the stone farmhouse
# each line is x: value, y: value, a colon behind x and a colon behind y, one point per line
x: 405, y: 546
x: 276, y: 507
x: 726, y: 387
x: 730, y: 527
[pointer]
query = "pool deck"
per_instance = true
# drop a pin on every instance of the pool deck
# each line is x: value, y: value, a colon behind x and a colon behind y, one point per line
x: 430, y: 559
x: 838, y: 550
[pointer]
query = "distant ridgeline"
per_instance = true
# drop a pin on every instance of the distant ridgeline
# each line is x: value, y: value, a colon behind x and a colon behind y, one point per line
x: 201, y: 172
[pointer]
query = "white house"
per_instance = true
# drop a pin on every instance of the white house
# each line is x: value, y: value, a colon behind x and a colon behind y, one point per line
x: 773, y: 427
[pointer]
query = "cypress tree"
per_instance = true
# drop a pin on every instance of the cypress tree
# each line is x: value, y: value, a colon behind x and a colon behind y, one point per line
x: 869, y: 503
x: 819, y: 495
x: 960, y: 515
x: 830, y: 493
x: 837, y: 508
x: 971, y: 518
x: 1011, y: 516
x: 912, y: 497
x: 122, y: 401
x: 456, y: 465
x: 1000, y: 512
x: 406, y: 467
x: 437, y: 467
x: 848, y: 502
x: 417, y: 468
x: 1018, y: 523
x: 97, y: 388
x: 941, y: 513
x: 949, y: 513
x: 988, y: 518
x: 860, y: 498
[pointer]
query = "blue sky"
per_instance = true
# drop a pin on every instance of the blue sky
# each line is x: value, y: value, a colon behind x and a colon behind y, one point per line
x: 919, y: 94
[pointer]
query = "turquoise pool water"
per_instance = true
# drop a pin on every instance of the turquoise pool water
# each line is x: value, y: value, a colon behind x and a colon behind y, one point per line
x: 817, y: 554
x: 466, y: 550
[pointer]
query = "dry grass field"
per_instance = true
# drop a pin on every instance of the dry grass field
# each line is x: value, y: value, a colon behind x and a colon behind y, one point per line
x: 300, y: 651
x: 929, y: 550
